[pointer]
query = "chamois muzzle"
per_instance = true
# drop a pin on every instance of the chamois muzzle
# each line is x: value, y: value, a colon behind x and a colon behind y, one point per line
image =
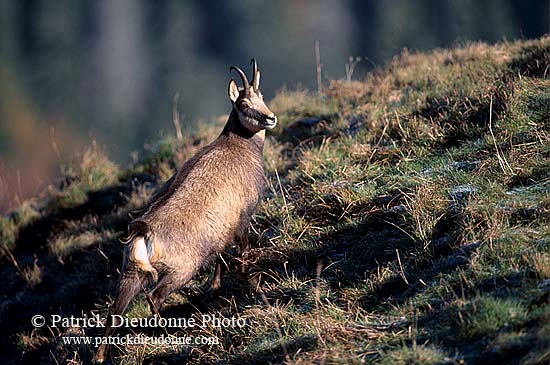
x: 270, y: 121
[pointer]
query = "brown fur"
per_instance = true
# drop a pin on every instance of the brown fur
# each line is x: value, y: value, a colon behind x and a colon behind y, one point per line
x: 207, y: 205
x: 204, y: 207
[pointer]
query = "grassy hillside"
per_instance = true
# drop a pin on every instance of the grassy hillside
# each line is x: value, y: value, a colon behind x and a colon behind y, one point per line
x: 406, y: 221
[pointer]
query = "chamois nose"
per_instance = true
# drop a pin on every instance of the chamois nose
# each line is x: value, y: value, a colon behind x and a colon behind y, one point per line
x: 271, y: 118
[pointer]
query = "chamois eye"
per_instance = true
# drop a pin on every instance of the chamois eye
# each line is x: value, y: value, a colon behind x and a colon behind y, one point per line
x: 244, y: 104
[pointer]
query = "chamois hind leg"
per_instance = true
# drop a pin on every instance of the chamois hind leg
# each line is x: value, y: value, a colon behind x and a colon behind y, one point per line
x: 166, y: 285
x: 128, y: 288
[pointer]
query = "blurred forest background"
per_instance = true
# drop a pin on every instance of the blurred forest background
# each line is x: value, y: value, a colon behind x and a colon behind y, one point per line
x: 76, y: 71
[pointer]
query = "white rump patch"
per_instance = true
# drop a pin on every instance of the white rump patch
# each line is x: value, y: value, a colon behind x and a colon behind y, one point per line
x: 141, y: 252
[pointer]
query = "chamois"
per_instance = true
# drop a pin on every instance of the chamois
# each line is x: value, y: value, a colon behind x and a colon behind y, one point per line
x: 204, y: 207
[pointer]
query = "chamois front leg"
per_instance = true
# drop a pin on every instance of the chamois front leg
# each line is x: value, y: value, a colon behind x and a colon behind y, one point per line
x: 242, y: 240
x: 218, y: 272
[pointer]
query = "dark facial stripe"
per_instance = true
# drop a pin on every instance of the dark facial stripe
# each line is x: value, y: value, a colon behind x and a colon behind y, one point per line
x: 254, y: 114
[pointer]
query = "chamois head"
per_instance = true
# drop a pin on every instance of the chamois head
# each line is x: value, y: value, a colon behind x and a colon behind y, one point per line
x: 248, y: 101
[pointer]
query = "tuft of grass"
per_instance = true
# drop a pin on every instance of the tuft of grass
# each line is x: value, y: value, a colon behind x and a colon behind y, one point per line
x: 32, y: 275
x: 291, y: 106
x: 486, y: 316
x: 426, y: 206
x: 62, y: 246
x: 139, y: 308
x: 95, y: 170
x: 540, y: 262
x: 423, y: 354
x: 72, y: 195
x: 30, y: 342
x: 90, y: 171
x: 10, y: 225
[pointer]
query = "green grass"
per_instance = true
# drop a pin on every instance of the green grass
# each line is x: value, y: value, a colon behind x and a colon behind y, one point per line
x: 90, y: 171
x: 63, y: 245
x: 486, y: 316
x: 10, y: 225
x: 421, y: 355
x: 405, y: 222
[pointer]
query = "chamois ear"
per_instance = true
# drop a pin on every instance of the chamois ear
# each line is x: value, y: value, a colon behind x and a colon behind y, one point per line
x: 233, y: 90
x: 257, y: 80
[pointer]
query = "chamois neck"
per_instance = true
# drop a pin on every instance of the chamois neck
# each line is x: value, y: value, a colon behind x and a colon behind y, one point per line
x: 234, y: 127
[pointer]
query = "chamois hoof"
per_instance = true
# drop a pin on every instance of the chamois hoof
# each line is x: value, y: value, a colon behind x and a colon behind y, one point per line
x: 210, y: 294
x: 216, y: 285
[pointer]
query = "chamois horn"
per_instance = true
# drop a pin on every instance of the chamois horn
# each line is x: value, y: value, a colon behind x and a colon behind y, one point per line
x: 254, y: 70
x: 243, y: 77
